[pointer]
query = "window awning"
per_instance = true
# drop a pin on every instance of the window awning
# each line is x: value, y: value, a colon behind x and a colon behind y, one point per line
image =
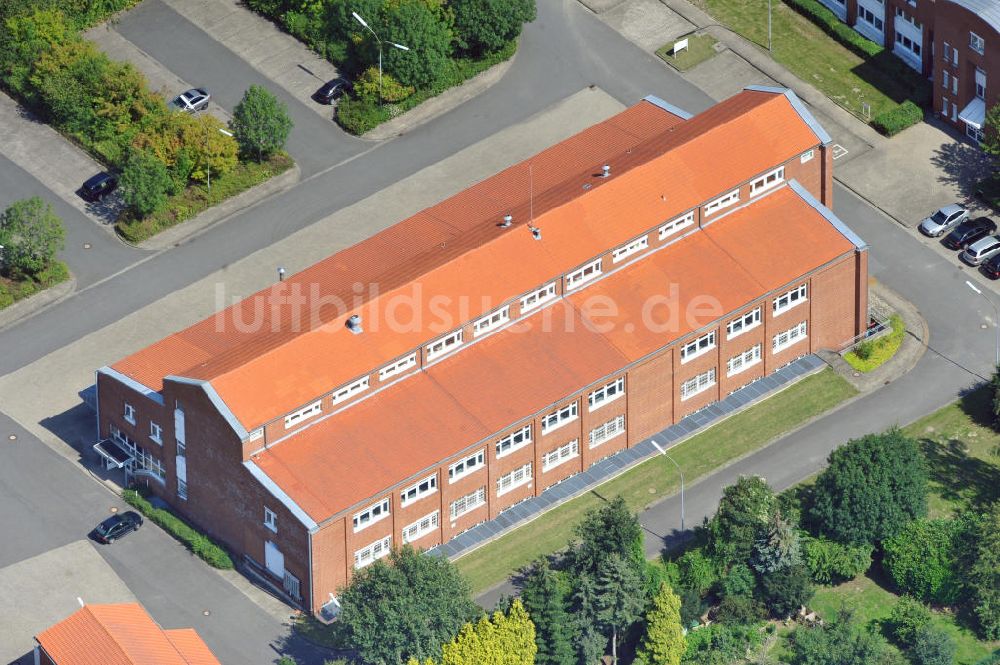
x: 113, y: 452
x: 974, y: 113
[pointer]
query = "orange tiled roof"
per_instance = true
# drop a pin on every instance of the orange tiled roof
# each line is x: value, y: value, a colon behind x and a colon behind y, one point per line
x: 455, y: 249
x: 412, y: 425
x: 122, y: 634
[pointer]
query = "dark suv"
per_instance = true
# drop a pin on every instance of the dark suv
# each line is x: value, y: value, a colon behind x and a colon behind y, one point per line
x: 99, y: 186
x: 117, y: 526
x: 969, y: 232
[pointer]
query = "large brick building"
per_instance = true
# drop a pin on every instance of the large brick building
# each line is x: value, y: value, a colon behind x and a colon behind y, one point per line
x: 955, y: 43
x: 426, y: 379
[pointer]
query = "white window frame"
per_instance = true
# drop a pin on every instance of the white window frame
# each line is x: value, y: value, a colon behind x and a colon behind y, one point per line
x: 768, y: 181
x: 631, y: 248
x: 606, y: 394
x: 944, y: 106
x: 466, y: 465
x: 977, y: 43
x: 516, y: 440
x: 515, y: 478
x: 270, y: 519
x: 537, y: 298
x: 698, y: 384
x: 946, y: 51
x: 371, y: 553
x: 954, y: 57
x: 155, y: 433
x: 399, y: 366
x: 349, y: 390
x: 724, y: 201
x: 560, y: 417
x: 806, y: 156
x: 743, y: 361
x: 676, y: 225
x: 445, y: 344
x: 466, y: 504
x: 792, y: 298
x: 376, y: 512
x: 491, y: 321
x: 422, y: 527
x: 560, y: 455
x: 584, y: 274
x: 607, y: 431
x: 789, y: 337
x: 418, y: 491
x: 182, y: 489
x: 129, y: 414
x: 980, y: 83
x: 744, y: 323
x: 305, y: 413
x: 954, y: 85
x: 698, y: 346
x: 869, y: 17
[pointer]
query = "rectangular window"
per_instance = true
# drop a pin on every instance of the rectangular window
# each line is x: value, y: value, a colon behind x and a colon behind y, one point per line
x: 397, y: 367
x: 946, y: 51
x: 767, y: 181
x: 954, y: 85
x: 718, y: 204
x: 468, y: 502
x: 425, y: 487
x: 313, y: 409
x: 697, y: 384
x: 270, y: 519
x: 584, y: 274
x: 349, y: 391
x: 945, y: 79
x: 537, y: 298
x: 954, y: 57
x: 676, y: 225
x: 563, y: 453
x: 466, y: 466
x: 371, y: 514
x: 954, y: 112
x: 806, y: 156
x: 944, y: 106
x: 373, y: 552
x: 129, y: 413
x: 182, y: 489
x: 748, y: 321
x: 628, y: 250
x: 869, y: 17
x: 786, y: 301
x: 980, y: 83
x: 977, y: 43
x: 560, y: 417
x: 743, y: 361
x: 443, y: 345
x: 156, y: 433
x: 783, y: 340
x: 514, y: 479
x: 607, y: 431
x: 492, y: 321
x: 421, y: 527
x: 698, y: 346
x: 605, y: 394
x: 514, y: 441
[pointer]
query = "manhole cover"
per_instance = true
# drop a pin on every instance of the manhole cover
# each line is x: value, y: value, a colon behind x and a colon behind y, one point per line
x: 86, y: 245
x: 12, y: 437
x: 206, y: 613
x: 114, y: 509
x: 983, y: 326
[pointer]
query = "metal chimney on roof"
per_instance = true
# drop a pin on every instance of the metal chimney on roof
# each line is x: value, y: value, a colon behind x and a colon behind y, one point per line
x: 607, y: 171
x: 354, y: 324
x: 507, y: 219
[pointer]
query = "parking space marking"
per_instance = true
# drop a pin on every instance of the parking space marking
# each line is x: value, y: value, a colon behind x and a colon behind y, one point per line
x: 838, y: 151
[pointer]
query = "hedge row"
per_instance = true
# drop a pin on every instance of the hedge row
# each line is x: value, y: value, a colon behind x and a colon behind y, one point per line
x: 12, y: 291
x: 199, y: 544
x: 833, y: 26
x: 896, y: 120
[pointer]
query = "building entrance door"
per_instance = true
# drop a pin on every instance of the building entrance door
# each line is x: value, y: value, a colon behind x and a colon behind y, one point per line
x: 274, y: 560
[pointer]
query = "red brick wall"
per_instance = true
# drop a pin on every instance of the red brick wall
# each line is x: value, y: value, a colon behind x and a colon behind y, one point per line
x: 952, y: 24
x: 834, y: 319
x: 650, y: 388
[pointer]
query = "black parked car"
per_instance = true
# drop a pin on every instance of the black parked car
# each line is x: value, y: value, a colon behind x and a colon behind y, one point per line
x: 991, y: 267
x: 969, y: 232
x: 332, y: 90
x: 117, y: 526
x: 99, y: 186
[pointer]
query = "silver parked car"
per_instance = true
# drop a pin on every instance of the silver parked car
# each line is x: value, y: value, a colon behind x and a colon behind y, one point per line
x: 981, y: 250
x: 943, y: 220
x: 195, y: 99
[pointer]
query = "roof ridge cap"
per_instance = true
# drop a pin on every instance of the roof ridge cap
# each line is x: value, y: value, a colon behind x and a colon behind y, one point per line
x: 114, y: 640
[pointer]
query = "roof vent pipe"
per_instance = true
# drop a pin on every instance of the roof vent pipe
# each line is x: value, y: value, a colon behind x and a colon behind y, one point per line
x: 536, y: 232
x: 507, y: 219
x: 607, y: 171
x: 354, y: 324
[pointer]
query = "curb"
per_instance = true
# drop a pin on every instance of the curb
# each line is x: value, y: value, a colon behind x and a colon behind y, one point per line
x: 24, y: 309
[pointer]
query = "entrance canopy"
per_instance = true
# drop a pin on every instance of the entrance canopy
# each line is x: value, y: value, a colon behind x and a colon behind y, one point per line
x: 974, y: 113
x: 113, y: 452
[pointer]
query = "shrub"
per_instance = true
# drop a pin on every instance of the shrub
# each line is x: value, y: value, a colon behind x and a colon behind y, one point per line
x: 719, y: 643
x: 921, y: 560
x: 784, y: 591
x: 982, y: 574
x: 933, y: 646
x: 845, y: 641
x: 697, y: 571
x: 864, y: 349
x: 739, y: 581
x: 417, y: 25
x: 366, y: 87
x: 830, y: 562
x: 31, y: 233
x: 145, y: 182
x: 907, y: 619
x: 739, y: 610
x: 358, y: 116
x: 836, y: 28
x: 197, y: 543
x: 486, y: 25
x: 895, y: 120
x: 693, y: 606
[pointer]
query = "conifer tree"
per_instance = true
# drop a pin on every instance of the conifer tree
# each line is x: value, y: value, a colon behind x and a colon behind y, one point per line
x: 663, y: 643
x: 547, y: 607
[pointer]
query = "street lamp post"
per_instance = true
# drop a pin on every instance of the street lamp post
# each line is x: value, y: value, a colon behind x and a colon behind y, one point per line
x: 210, y: 163
x: 769, y: 25
x: 664, y: 453
x: 360, y: 20
x: 996, y: 321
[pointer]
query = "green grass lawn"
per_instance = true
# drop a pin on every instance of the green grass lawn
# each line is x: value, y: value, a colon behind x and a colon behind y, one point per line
x: 845, y: 76
x: 657, y: 477
x: 877, y: 351
x: 700, y: 48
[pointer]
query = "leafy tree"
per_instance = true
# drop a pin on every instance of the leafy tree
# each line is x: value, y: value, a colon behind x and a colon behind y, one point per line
x: 546, y: 603
x: 908, y: 617
x: 739, y: 610
x: 408, y: 606
x: 368, y: 88
x: 663, y: 642
x: 983, y: 576
x: 991, y: 132
x: 933, y: 646
x: 415, y: 24
x: 693, y: 606
x: 921, y: 560
x: 260, y: 123
x: 995, y: 378
x: 31, y: 233
x: 620, y: 598
x: 486, y: 25
x: 590, y: 642
x: 145, y: 182
x: 503, y: 639
x: 872, y: 488
x: 212, y: 152
x: 738, y: 581
x: 777, y: 547
x: 830, y: 562
x: 845, y: 641
x: 608, y: 530
x: 784, y: 591
x: 697, y: 571
x: 746, y: 508
x: 721, y: 644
